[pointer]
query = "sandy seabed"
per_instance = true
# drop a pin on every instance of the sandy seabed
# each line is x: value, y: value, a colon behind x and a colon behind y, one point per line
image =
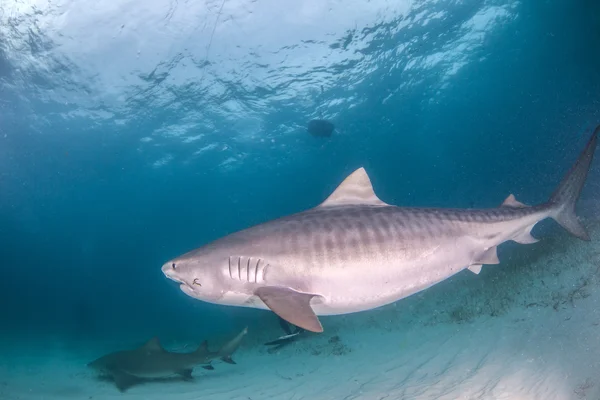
x: 526, y: 329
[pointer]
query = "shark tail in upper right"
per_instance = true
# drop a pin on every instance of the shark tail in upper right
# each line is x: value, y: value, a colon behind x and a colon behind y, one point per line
x: 563, y: 200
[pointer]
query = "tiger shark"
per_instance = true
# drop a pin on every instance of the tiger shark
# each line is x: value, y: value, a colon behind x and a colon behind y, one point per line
x: 128, y: 367
x: 355, y: 252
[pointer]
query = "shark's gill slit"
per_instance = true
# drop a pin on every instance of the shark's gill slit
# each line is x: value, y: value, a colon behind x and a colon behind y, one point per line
x: 264, y: 272
x: 240, y: 268
x: 230, y: 274
x: 256, y: 271
x: 248, y: 270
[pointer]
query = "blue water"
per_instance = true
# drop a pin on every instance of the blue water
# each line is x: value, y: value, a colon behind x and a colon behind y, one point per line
x: 131, y: 132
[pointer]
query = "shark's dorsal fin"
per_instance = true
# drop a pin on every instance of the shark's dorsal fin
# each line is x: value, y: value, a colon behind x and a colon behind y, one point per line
x: 203, y: 348
x: 355, y: 189
x: 511, y: 201
x: 153, y: 345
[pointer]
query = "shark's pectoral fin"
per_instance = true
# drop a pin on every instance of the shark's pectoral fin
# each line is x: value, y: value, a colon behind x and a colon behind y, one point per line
x: 123, y: 380
x: 208, y: 367
x: 291, y: 305
x: 186, y: 374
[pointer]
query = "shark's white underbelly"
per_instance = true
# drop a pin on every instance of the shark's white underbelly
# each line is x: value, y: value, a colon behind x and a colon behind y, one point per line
x: 367, y: 284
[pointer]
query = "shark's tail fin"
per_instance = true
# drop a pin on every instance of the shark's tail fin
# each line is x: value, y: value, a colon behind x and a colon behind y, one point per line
x: 562, y: 202
x: 230, y: 347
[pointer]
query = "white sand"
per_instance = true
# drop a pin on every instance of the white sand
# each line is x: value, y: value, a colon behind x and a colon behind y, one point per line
x: 500, y: 335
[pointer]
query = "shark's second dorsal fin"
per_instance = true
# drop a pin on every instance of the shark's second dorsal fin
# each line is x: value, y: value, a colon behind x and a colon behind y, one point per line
x: 355, y: 189
x: 511, y: 201
x: 153, y: 345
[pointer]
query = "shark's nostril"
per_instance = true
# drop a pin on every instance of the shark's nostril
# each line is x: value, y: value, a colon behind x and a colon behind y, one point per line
x: 196, y: 282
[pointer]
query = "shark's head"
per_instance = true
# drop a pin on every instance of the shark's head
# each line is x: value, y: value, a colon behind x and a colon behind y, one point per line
x: 102, y: 364
x: 199, y: 275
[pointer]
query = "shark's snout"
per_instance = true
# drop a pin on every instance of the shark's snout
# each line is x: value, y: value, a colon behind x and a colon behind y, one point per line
x: 169, y: 270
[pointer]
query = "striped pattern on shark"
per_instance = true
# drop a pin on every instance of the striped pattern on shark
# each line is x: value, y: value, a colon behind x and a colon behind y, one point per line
x: 355, y: 252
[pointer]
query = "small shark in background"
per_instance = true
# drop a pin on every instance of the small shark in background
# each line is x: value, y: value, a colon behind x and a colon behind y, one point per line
x: 152, y: 361
x: 355, y: 252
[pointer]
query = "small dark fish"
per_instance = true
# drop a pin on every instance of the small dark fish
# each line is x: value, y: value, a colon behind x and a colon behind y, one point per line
x: 320, y: 128
x: 288, y: 338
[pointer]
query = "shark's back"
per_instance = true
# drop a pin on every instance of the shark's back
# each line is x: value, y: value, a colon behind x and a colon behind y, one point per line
x: 325, y: 237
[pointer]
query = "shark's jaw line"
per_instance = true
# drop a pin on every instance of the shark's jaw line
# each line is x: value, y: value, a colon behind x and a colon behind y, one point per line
x: 187, y: 289
x: 355, y: 252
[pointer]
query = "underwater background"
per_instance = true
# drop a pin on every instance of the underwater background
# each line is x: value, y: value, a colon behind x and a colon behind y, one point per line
x: 133, y: 131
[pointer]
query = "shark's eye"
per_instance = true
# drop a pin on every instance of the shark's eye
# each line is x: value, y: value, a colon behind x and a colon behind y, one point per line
x: 173, y: 266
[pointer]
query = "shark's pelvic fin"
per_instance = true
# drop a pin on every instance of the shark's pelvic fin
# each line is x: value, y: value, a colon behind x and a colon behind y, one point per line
x: 355, y: 189
x: 563, y: 200
x: 291, y: 305
x: 475, y: 268
x: 489, y: 256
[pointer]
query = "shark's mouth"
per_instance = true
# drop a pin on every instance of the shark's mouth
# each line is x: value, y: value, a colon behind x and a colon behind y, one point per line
x: 193, y: 291
x: 168, y: 272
